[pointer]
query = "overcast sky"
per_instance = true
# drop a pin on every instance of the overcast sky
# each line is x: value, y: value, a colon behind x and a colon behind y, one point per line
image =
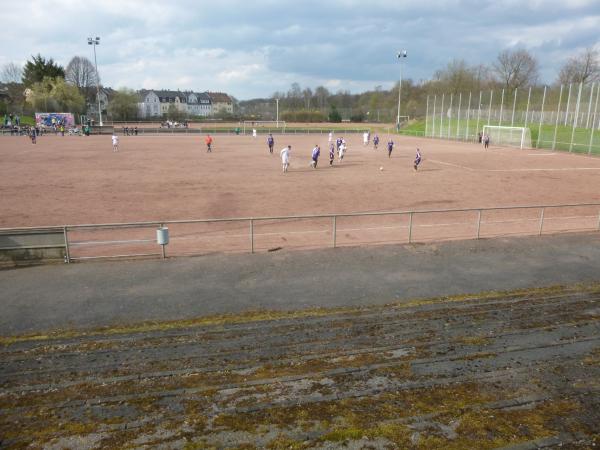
x: 255, y: 47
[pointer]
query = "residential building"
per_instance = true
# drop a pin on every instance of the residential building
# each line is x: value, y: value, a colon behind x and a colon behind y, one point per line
x: 149, y: 104
x: 221, y: 103
x: 199, y: 104
x: 156, y: 103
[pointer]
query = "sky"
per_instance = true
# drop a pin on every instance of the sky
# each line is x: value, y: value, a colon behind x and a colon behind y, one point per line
x: 251, y: 49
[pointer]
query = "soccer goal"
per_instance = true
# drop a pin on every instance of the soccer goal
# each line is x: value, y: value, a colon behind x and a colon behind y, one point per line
x: 519, y: 137
x: 264, y: 125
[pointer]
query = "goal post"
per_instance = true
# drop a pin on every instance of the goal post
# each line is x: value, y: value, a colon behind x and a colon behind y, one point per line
x: 262, y: 125
x: 519, y: 137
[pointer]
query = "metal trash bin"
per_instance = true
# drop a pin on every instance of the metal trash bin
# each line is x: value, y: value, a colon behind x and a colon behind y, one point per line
x: 162, y: 236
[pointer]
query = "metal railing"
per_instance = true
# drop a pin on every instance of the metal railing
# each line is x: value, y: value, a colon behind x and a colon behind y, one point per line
x: 413, y: 227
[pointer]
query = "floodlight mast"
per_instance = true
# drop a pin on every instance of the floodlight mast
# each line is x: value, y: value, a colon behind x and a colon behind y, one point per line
x: 93, y: 42
x: 401, y: 55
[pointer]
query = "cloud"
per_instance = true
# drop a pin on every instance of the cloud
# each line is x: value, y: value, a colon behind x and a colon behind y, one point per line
x: 253, y: 49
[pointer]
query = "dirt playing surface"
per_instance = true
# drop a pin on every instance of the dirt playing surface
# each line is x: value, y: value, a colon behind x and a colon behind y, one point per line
x: 76, y: 180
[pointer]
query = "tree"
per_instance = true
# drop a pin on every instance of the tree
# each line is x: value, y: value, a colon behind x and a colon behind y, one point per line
x: 11, y: 73
x: 294, y: 96
x: 81, y: 72
x: 307, y: 94
x: 322, y: 94
x: 457, y: 77
x: 334, y: 115
x: 54, y: 94
x: 124, y: 105
x: 516, y: 69
x: 174, y: 113
x: 583, y: 68
x: 39, y: 68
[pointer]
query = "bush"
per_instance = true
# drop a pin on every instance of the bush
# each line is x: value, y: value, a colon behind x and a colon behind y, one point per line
x: 303, y: 116
x: 358, y: 117
x: 334, y: 115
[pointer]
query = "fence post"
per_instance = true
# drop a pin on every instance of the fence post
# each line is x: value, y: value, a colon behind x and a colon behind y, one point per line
x: 251, y: 235
x: 458, y: 116
x: 442, y: 117
x: 433, y: 116
x: 527, y: 110
x: 512, y: 119
x: 162, y: 246
x: 334, y: 230
x: 426, y: 115
x: 557, y: 116
x: 450, y: 118
x: 541, y: 119
x: 67, y: 253
x: 490, y: 107
x: 478, y: 113
x: 594, y: 121
x: 575, y: 118
x: 478, y: 223
x: 410, y: 221
x: 542, y: 220
x: 501, y: 107
x: 468, y: 118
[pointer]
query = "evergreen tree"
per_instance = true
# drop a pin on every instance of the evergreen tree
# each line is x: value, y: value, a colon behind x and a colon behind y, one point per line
x: 38, y: 68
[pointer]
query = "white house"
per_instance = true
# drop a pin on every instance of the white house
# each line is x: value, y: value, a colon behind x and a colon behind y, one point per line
x: 157, y: 103
x: 198, y: 104
x: 149, y: 105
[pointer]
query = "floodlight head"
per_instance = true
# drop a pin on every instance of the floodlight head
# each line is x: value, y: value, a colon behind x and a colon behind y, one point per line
x: 98, y: 40
x: 402, y: 54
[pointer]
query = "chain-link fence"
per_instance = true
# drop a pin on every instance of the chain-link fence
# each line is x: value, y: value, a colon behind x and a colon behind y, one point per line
x: 559, y: 118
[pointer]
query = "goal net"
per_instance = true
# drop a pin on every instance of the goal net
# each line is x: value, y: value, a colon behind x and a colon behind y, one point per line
x: 262, y: 126
x: 519, y: 137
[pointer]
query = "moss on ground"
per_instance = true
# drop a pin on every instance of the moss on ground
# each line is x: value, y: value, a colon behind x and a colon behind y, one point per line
x: 263, y: 316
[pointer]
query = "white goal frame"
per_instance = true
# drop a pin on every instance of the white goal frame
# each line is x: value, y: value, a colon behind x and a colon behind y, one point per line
x: 523, y: 135
x: 257, y: 124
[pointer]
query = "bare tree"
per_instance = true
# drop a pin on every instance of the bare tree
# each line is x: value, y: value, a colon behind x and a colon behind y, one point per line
x: 583, y: 68
x: 457, y: 77
x: 322, y: 94
x: 81, y: 73
x: 307, y: 94
x: 516, y: 69
x: 11, y: 73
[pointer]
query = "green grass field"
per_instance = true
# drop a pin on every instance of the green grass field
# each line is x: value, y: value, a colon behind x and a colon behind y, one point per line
x: 458, y: 130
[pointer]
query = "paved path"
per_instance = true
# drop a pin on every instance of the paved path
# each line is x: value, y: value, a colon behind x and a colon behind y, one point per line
x: 110, y: 293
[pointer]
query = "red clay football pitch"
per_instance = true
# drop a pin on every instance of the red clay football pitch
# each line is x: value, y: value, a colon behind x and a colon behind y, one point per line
x: 75, y: 180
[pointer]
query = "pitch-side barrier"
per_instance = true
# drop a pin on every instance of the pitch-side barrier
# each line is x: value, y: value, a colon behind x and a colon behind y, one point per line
x: 262, y: 234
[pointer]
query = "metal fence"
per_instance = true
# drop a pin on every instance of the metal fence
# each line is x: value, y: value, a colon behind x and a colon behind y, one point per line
x: 253, y: 234
x: 559, y: 118
x: 233, y: 131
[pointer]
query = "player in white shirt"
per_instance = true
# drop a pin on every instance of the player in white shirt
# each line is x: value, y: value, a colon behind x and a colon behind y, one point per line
x: 342, y: 151
x: 330, y: 137
x: 115, y: 143
x: 285, y: 157
x: 366, y: 138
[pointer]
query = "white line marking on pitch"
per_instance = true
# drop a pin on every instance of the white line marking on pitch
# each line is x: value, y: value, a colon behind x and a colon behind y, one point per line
x: 513, y: 170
